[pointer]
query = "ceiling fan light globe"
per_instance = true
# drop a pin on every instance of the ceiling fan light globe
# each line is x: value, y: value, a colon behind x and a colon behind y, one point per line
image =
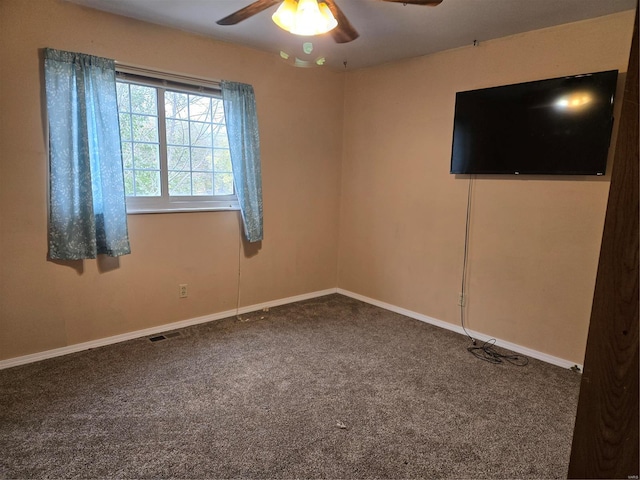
x: 304, y: 17
x: 284, y: 16
x: 330, y: 20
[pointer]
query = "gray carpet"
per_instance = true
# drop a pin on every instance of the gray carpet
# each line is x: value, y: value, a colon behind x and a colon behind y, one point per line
x: 326, y: 388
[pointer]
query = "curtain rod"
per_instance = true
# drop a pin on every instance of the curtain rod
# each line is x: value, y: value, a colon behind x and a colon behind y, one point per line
x: 166, y: 75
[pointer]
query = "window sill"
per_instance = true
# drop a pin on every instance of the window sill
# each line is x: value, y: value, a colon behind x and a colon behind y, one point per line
x: 144, y: 211
x: 139, y: 206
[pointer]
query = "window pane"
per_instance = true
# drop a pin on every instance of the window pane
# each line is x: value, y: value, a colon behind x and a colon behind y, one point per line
x: 145, y: 128
x: 217, y: 114
x: 143, y: 100
x: 127, y: 155
x: 176, y: 105
x: 178, y: 158
x: 200, y: 134
x: 223, y: 184
x: 145, y: 156
x: 220, y: 138
x: 177, y: 132
x: 128, y: 183
x: 190, y: 170
x: 125, y: 126
x: 147, y: 183
x: 203, y: 184
x: 222, y: 160
x: 179, y: 183
x: 201, y: 159
x: 200, y: 108
x: 122, y: 90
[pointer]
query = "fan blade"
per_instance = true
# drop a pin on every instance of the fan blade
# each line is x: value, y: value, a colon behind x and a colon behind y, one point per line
x: 430, y: 3
x: 344, y: 32
x: 246, y: 12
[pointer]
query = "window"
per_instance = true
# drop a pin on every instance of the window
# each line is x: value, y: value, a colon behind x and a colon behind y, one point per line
x: 174, y: 146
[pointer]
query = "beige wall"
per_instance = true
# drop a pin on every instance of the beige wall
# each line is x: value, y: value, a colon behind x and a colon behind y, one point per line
x: 534, y: 242
x: 44, y: 305
x: 400, y: 215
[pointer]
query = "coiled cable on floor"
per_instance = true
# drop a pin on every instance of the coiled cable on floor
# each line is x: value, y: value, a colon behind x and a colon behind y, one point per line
x: 488, y: 353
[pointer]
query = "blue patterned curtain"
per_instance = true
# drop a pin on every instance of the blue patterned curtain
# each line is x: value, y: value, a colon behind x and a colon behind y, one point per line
x: 87, y: 211
x: 244, y: 143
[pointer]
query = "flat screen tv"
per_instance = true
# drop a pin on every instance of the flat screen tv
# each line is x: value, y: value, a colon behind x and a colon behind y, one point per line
x: 559, y: 126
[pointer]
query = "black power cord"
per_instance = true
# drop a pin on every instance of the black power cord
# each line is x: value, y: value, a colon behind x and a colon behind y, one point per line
x: 486, y: 351
x: 464, y: 261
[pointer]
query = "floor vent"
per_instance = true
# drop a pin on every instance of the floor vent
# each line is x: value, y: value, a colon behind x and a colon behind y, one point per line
x: 157, y: 338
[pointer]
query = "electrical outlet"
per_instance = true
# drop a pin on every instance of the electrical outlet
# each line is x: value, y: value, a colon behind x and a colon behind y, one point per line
x: 461, y: 299
x: 182, y: 290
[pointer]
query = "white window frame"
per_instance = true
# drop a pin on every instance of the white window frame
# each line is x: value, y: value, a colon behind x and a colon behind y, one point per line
x: 175, y: 82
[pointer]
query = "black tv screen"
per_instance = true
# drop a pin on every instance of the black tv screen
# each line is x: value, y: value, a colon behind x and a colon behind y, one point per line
x: 560, y: 126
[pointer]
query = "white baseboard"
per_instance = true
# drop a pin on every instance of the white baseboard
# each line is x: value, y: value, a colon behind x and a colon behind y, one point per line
x: 56, y: 352
x: 458, y: 329
x: 284, y: 301
x: 78, y: 347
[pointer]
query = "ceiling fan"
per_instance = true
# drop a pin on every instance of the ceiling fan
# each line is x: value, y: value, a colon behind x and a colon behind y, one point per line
x: 342, y: 33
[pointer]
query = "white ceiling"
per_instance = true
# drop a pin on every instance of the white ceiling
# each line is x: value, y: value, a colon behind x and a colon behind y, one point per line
x: 388, y: 31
